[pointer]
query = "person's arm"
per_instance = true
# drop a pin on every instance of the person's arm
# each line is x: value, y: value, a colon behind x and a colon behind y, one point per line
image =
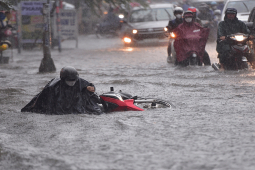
x: 170, y: 26
x: 220, y: 31
x: 245, y: 29
x: 91, y: 88
x: 199, y: 21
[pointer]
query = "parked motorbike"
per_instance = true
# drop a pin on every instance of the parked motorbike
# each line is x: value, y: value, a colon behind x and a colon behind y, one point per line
x: 119, y: 101
x: 240, y: 51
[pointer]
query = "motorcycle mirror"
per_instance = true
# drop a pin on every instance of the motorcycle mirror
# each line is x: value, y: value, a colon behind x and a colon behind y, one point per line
x: 111, y: 89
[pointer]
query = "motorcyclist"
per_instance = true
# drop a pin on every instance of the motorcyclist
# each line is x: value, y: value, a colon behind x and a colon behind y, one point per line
x: 185, y: 4
x: 207, y: 17
x: 198, y: 20
x: 4, y: 19
x: 194, y: 10
x: 216, y: 12
x: 110, y: 22
x: 68, y: 94
x: 178, y: 11
x: 4, y: 24
x: 205, y: 12
x: 230, y: 25
x: 185, y: 29
x: 214, y: 5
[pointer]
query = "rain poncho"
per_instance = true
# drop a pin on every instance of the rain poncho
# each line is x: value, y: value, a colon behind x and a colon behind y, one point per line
x: 190, y: 37
x: 59, y: 98
x: 228, y: 27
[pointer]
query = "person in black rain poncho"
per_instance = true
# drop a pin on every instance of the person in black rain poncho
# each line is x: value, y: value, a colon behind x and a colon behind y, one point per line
x: 68, y: 94
x: 230, y: 25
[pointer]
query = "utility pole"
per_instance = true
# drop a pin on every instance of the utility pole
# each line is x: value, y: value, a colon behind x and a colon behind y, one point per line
x: 59, y: 4
x: 47, y: 64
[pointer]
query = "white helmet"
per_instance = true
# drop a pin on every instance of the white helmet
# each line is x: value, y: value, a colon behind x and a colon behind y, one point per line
x: 178, y: 10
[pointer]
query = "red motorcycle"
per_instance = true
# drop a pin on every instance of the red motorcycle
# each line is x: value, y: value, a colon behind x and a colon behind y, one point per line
x: 119, y: 101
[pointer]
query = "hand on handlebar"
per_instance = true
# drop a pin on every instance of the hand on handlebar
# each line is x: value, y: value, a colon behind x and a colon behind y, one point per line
x: 222, y: 38
x: 91, y: 88
x: 251, y: 37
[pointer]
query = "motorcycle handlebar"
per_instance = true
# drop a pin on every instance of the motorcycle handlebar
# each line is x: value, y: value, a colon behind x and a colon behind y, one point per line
x: 227, y: 37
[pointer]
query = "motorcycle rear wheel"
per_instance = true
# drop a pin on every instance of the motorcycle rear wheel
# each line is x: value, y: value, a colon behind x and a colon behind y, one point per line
x: 162, y: 103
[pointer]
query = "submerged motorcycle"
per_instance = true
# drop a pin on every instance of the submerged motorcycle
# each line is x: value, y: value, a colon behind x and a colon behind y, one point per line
x: 240, y: 51
x: 119, y: 101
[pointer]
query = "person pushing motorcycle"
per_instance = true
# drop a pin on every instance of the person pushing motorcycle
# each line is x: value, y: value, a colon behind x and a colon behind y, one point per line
x: 230, y: 25
x: 68, y: 94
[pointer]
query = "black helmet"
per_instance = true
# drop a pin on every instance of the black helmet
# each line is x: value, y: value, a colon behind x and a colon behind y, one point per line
x: 231, y: 11
x: 69, y: 73
x: 178, y: 10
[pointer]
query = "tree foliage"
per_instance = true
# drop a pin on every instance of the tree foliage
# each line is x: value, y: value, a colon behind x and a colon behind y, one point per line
x: 6, y: 5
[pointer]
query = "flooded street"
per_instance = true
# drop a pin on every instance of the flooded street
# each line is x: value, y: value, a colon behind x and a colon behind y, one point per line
x: 211, y: 125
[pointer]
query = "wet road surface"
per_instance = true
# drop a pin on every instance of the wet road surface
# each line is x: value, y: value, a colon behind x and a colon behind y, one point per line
x: 210, y: 127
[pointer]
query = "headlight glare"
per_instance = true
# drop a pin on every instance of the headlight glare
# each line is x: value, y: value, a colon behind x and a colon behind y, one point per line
x: 134, y: 31
x: 127, y: 40
x: 172, y: 35
x: 239, y: 37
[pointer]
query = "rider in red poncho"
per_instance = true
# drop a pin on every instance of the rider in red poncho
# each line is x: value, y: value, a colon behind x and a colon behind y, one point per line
x: 191, y: 37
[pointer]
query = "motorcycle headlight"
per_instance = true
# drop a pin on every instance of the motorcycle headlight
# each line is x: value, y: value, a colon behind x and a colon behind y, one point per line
x: 134, y: 31
x: 121, y: 16
x: 127, y: 40
x: 239, y: 37
x: 172, y: 35
x: 165, y: 29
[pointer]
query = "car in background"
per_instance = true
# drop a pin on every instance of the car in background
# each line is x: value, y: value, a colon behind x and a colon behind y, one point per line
x: 147, y: 23
x: 243, y: 8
